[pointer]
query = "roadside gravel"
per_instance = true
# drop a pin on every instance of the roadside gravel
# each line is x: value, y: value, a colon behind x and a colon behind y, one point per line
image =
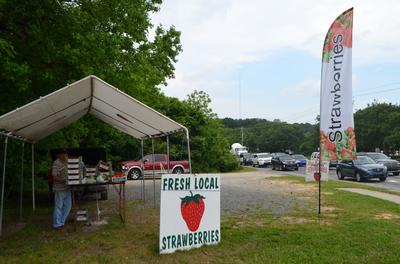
x: 241, y: 193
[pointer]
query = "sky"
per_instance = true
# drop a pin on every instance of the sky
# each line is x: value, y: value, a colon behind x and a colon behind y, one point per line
x: 262, y: 59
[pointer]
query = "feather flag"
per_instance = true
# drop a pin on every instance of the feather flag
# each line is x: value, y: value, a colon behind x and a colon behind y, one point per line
x: 337, y: 136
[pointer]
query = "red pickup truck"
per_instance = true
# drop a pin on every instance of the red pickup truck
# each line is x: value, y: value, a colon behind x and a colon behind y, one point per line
x: 133, y: 169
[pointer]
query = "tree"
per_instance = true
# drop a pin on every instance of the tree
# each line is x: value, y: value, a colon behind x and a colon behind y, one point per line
x: 377, y: 126
x: 47, y: 44
x: 265, y: 136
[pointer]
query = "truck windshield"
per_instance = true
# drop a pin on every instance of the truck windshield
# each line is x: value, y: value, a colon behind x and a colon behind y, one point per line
x: 158, y: 158
x: 376, y: 156
x: 361, y: 160
x: 299, y: 157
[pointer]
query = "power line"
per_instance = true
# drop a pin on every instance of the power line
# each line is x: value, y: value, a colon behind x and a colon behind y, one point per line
x: 382, y: 85
x: 315, y: 112
x: 377, y: 92
x: 355, y: 96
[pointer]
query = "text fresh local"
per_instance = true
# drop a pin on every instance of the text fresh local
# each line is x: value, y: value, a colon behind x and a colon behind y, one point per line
x: 182, y: 183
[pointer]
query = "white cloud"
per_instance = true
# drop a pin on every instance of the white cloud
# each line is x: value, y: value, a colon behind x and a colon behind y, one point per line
x: 219, y: 36
x: 305, y: 87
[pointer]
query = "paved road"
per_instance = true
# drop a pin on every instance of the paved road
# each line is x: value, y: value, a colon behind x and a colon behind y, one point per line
x: 392, y: 182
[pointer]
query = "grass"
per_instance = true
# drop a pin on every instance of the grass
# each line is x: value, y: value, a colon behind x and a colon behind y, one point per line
x: 350, y: 230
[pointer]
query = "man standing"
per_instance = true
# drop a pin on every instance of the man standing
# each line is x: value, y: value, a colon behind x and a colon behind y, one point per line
x: 62, y: 193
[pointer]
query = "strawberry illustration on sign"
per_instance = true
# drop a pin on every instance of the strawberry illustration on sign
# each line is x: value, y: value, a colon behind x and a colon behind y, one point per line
x: 192, y: 209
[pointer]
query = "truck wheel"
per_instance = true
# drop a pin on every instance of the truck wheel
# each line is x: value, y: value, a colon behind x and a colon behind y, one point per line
x: 134, y: 174
x: 178, y: 170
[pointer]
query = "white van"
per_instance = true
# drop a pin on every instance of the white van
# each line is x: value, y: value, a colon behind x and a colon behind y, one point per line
x: 315, y: 156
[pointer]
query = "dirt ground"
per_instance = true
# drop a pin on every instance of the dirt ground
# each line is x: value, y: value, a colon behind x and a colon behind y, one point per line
x: 242, y: 192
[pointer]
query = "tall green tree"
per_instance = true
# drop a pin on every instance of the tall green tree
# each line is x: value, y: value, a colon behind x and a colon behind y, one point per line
x: 44, y: 45
x: 377, y: 126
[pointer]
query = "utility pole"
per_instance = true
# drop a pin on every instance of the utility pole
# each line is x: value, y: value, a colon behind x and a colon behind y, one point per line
x: 240, y: 109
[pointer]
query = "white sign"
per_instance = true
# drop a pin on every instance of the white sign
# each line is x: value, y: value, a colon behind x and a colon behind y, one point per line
x: 189, y: 211
x: 337, y: 135
x: 312, y: 167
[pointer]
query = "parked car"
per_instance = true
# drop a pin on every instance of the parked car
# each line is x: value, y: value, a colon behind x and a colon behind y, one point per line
x: 361, y: 168
x: 283, y: 162
x: 261, y: 159
x: 246, y: 159
x: 301, y: 160
x: 133, y: 169
x: 276, y: 154
x: 333, y: 163
x: 393, y: 166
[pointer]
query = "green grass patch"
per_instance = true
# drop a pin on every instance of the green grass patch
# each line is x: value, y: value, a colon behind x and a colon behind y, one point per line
x: 352, y: 229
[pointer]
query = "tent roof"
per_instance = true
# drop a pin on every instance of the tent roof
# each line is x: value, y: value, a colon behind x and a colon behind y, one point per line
x: 90, y: 95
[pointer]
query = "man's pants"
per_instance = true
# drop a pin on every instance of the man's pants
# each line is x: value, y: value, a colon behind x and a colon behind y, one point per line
x: 62, y: 206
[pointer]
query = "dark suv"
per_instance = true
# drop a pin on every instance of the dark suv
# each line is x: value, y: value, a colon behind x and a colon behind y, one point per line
x: 393, y: 166
x: 245, y: 159
x: 281, y: 161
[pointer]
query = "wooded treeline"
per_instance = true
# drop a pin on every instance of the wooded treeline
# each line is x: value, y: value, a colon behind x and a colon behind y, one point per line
x: 376, y: 126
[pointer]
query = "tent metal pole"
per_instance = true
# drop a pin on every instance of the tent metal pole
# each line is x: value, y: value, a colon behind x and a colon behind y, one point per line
x: 33, y: 177
x: 2, y: 185
x: 154, y: 172
x: 21, y: 190
x: 14, y: 137
x: 143, y: 189
x: 188, y: 147
x: 168, y: 165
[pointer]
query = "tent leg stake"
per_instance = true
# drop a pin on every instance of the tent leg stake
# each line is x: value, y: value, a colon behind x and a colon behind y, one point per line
x: 154, y: 173
x: 21, y: 191
x: 2, y: 185
x: 33, y: 177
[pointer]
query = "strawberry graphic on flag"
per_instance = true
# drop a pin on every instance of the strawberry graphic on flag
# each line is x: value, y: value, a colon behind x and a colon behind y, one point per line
x: 192, y: 210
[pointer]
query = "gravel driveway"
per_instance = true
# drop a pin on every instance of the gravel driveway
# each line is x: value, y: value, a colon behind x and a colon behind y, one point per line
x: 240, y: 192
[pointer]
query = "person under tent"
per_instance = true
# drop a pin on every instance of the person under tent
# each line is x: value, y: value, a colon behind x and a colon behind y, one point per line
x: 62, y: 192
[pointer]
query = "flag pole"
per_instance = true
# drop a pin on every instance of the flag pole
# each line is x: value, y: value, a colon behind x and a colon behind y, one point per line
x: 319, y: 182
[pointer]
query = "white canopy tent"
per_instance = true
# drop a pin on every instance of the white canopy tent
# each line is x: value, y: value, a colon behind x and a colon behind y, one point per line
x: 90, y: 95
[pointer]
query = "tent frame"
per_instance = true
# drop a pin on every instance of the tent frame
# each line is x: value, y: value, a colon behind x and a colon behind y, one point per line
x: 8, y: 135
